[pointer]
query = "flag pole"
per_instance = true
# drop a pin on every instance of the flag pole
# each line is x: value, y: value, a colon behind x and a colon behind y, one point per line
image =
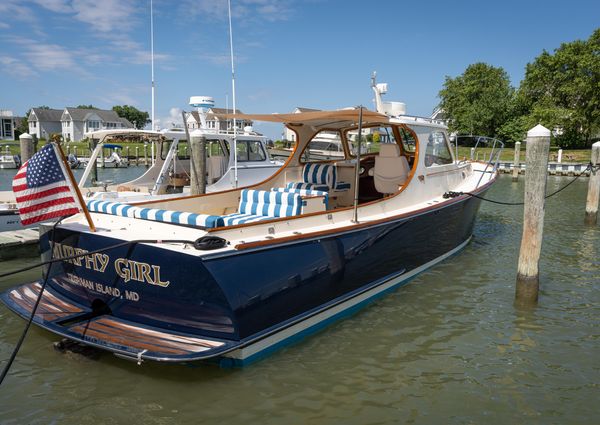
x: 74, y: 185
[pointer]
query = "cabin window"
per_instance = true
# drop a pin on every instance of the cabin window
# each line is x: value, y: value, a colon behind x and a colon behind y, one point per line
x: 437, y: 151
x: 250, y: 150
x: 324, y: 146
x: 409, y: 144
x: 371, y: 139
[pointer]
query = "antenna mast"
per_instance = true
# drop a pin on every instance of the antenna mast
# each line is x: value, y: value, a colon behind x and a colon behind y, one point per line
x: 235, y: 168
x: 152, y: 67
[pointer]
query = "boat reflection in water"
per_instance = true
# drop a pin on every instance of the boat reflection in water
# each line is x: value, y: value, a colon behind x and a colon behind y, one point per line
x: 270, y: 263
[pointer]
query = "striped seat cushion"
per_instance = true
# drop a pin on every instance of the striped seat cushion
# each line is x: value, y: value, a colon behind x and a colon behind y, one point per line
x: 305, y: 192
x: 271, y: 204
x: 178, y: 217
x: 113, y: 208
x: 342, y: 186
x: 233, y: 219
x: 154, y: 214
x: 320, y: 174
x: 307, y: 186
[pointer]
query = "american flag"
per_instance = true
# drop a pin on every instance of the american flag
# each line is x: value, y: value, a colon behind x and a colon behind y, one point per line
x: 42, y: 189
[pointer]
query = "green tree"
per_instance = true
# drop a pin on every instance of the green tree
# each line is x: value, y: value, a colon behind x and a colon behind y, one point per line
x: 478, y: 101
x: 138, y: 118
x: 562, y: 90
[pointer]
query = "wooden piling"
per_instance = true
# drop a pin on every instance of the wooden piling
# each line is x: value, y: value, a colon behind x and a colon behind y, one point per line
x: 593, y: 195
x: 198, y: 163
x: 127, y: 153
x: 137, y: 155
x: 146, y: 154
x: 536, y: 158
x: 516, y: 163
x: 27, y: 147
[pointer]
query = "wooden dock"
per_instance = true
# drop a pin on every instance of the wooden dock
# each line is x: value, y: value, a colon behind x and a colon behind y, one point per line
x: 554, y: 168
x: 18, y: 244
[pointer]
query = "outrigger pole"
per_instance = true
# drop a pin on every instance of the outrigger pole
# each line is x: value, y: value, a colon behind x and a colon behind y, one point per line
x: 357, y: 165
x: 67, y: 170
x: 235, y: 159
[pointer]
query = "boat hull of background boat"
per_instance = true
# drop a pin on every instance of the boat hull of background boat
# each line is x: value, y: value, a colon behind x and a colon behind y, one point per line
x: 239, y: 305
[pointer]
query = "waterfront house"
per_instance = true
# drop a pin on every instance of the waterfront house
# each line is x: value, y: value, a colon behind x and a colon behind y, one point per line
x: 8, y: 123
x: 213, y: 122
x: 75, y: 122
x: 43, y: 122
x: 289, y: 134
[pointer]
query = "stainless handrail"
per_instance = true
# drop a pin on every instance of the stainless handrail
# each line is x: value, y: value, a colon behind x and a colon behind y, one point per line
x: 497, y: 147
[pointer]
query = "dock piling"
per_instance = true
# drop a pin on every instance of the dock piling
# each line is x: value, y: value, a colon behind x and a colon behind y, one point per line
x: 536, y: 158
x: 198, y: 163
x: 137, y: 155
x: 593, y: 195
x: 516, y: 163
x: 146, y: 154
x: 559, y: 157
x: 27, y: 148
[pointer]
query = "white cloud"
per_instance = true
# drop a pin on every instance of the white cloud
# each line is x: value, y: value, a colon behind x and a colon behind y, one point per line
x: 16, y: 67
x: 4, y: 26
x: 243, y: 10
x: 173, y: 120
x: 59, y: 6
x: 50, y: 57
x: 105, y: 15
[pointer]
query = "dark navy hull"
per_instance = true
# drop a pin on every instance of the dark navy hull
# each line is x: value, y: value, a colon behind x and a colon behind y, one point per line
x: 241, y: 297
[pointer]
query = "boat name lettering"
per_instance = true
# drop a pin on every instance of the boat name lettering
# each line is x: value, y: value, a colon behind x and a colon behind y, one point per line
x: 97, y: 261
x: 125, y: 268
x: 141, y: 272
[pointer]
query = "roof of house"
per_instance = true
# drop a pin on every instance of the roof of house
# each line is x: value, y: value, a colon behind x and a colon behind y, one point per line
x: 215, y: 111
x: 43, y: 114
x: 78, y: 114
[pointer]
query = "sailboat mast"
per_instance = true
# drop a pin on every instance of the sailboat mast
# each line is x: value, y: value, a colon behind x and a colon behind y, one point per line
x: 235, y: 159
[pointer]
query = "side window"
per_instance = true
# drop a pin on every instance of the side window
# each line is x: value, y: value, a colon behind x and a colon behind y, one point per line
x: 372, y: 138
x: 437, y: 151
x: 408, y: 140
x: 248, y: 150
x: 182, y: 149
x: 324, y: 146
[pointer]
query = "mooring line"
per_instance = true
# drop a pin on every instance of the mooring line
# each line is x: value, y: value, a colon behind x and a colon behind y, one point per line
x: 591, y: 167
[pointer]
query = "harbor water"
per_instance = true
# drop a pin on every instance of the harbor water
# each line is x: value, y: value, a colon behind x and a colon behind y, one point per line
x: 449, y: 348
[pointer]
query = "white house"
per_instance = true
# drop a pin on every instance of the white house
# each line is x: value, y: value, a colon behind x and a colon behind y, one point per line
x: 289, y: 134
x: 7, y: 125
x: 193, y: 120
x: 43, y: 123
x: 75, y: 122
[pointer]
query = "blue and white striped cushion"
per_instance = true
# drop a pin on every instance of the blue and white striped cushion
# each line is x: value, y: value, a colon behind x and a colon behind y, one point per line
x: 342, y: 186
x: 319, y: 173
x: 113, y: 208
x: 271, y: 204
x: 305, y: 192
x: 178, y: 217
x: 306, y: 186
x: 233, y: 219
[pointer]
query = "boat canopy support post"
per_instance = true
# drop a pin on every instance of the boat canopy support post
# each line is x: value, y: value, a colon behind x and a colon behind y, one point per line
x: 536, y: 157
x: 357, y: 165
x: 593, y: 195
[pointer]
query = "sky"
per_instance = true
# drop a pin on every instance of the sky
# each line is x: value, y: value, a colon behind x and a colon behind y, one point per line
x: 288, y: 53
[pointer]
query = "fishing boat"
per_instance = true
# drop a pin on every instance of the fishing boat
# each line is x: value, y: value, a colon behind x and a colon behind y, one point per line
x: 232, y: 276
x: 170, y: 172
x: 8, y: 160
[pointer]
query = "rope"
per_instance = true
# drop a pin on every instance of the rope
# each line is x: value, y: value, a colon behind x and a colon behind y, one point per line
x: 450, y: 194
